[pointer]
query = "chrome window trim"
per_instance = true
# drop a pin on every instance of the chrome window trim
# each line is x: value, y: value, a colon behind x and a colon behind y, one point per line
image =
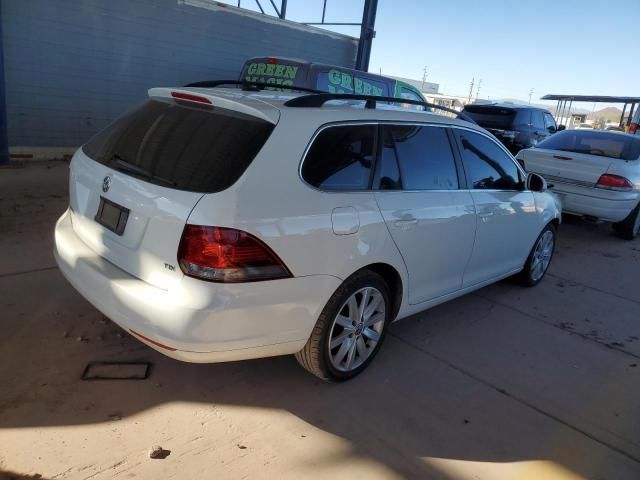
x: 373, y: 123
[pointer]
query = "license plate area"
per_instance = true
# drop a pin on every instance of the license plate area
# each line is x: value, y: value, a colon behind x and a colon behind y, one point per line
x: 112, y: 216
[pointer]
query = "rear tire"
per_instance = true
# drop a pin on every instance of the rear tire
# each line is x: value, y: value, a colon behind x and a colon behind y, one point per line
x: 540, y: 257
x: 629, y: 228
x: 348, y: 335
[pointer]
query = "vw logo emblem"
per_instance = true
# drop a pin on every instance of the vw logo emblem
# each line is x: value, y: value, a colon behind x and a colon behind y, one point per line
x: 106, y: 183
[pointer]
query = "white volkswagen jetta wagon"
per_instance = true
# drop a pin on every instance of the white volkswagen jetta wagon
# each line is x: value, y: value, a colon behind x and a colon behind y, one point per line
x: 216, y: 224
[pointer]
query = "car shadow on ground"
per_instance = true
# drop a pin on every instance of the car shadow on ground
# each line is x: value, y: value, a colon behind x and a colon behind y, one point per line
x: 408, y: 409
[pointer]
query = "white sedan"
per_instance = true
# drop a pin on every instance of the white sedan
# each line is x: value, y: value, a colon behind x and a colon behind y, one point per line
x: 596, y: 174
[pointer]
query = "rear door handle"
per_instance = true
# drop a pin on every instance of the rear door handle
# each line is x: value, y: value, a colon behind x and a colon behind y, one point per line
x: 405, y: 222
x: 485, y: 214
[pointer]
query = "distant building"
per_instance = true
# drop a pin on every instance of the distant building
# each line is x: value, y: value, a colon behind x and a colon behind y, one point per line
x: 425, y: 87
x: 573, y: 120
x: 449, y: 101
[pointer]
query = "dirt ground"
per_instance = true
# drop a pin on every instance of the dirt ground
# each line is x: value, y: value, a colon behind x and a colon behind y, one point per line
x: 505, y: 383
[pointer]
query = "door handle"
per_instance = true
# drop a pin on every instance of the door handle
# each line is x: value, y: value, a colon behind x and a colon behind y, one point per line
x: 485, y: 214
x: 406, y: 222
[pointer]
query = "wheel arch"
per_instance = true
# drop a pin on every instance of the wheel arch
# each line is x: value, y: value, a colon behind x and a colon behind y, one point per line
x: 393, y: 279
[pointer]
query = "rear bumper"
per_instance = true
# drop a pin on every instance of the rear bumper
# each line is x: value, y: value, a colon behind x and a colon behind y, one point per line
x: 609, y: 206
x: 199, y: 321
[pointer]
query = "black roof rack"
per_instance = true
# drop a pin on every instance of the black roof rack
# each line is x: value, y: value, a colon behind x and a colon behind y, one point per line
x: 249, y: 86
x: 319, y: 99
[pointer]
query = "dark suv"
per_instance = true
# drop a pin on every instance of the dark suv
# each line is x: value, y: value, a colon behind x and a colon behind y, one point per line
x: 516, y: 126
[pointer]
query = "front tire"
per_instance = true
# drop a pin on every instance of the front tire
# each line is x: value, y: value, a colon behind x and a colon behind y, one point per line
x: 350, y: 329
x: 629, y: 228
x: 540, y: 257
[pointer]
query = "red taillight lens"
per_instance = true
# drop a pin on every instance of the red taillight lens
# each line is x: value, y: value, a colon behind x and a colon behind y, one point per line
x: 521, y: 162
x: 614, y: 182
x: 227, y: 255
x: 633, y: 128
x: 191, y: 98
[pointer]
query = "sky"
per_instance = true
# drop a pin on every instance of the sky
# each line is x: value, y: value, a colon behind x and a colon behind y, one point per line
x: 585, y: 47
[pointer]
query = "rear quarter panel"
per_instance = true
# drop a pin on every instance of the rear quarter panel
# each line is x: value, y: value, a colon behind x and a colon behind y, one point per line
x: 272, y: 202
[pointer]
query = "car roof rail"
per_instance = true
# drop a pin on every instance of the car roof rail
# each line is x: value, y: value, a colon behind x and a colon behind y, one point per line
x: 319, y: 99
x: 249, y: 86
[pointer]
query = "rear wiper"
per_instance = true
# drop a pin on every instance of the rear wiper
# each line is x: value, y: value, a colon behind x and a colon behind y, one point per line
x: 122, y: 165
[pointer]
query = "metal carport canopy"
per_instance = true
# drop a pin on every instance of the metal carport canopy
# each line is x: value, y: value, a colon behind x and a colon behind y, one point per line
x: 563, y: 99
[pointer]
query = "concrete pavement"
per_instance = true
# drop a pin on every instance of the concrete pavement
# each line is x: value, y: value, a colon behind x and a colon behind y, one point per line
x: 504, y: 383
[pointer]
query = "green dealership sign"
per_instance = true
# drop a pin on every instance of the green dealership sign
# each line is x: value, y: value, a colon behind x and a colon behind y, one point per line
x: 333, y: 81
x: 271, y: 73
x: 342, y: 82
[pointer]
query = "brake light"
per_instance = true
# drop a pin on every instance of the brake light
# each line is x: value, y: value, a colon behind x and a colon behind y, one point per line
x: 272, y: 61
x: 190, y: 98
x: 614, y: 182
x: 227, y: 255
x: 633, y: 128
x: 521, y: 162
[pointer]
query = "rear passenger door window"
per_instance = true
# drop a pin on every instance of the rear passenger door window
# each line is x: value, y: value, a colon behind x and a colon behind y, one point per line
x: 416, y: 157
x: 549, y: 122
x: 341, y: 158
x: 537, y: 119
x: 487, y: 166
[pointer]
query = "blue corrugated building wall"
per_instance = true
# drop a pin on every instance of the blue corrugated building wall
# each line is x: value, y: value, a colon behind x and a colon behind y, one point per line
x: 73, y: 66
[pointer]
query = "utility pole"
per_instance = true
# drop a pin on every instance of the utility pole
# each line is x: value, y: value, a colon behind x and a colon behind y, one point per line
x: 530, y: 94
x: 367, y: 34
x: 424, y: 77
x: 473, y: 81
x: 478, y: 89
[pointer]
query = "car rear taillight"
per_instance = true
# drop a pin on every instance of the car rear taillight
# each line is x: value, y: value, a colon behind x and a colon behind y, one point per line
x: 614, y: 182
x: 227, y: 255
x: 521, y: 162
x: 633, y: 128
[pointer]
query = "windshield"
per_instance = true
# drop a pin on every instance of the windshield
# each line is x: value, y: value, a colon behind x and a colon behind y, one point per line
x: 181, y: 147
x: 491, y: 117
x: 602, y: 144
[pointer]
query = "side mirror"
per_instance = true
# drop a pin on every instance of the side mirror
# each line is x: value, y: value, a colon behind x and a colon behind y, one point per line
x: 536, y: 183
x: 561, y: 127
x: 552, y: 129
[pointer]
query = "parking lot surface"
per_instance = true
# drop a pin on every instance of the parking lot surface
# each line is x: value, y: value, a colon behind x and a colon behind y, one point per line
x: 504, y: 383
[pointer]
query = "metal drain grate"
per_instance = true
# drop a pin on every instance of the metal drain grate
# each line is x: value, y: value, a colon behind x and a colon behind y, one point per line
x: 116, y: 371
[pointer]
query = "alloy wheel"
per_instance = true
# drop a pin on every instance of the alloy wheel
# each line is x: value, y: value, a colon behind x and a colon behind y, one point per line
x: 357, y: 329
x: 542, y: 255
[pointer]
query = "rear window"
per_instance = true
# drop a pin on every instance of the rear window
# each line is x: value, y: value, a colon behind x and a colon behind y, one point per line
x: 181, y: 147
x: 603, y: 144
x: 492, y: 117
